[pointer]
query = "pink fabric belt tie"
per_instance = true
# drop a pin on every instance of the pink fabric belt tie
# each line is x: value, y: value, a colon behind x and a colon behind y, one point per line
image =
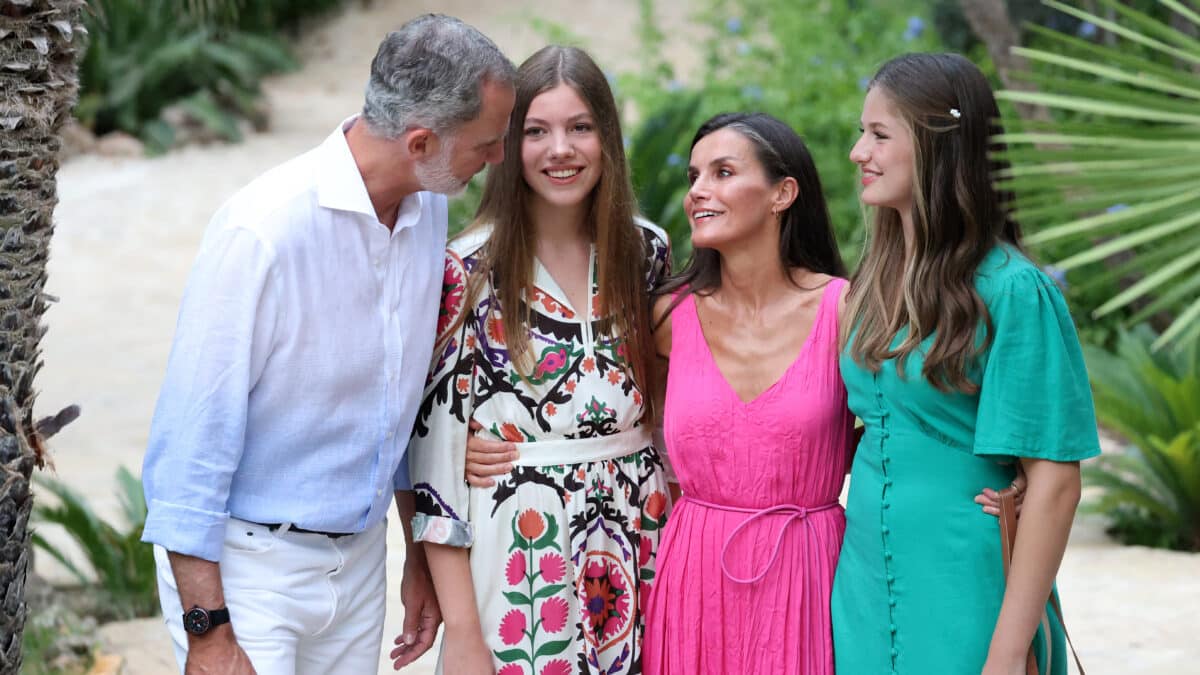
x: 794, y: 514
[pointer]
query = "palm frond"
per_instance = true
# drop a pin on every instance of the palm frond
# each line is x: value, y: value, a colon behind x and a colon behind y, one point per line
x: 1116, y: 173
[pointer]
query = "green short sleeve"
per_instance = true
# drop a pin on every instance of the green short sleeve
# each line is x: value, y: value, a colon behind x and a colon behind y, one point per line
x: 1034, y: 399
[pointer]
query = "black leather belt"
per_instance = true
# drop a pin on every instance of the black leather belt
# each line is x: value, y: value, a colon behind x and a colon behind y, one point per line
x: 332, y: 535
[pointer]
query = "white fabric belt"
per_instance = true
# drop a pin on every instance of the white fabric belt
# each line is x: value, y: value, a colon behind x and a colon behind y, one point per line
x: 580, y: 450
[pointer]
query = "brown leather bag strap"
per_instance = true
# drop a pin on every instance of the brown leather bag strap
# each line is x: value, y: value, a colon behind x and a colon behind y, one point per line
x: 1008, y: 537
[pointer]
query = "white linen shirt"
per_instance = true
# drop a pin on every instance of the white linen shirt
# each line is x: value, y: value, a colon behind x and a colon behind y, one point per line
x: 301, y: 350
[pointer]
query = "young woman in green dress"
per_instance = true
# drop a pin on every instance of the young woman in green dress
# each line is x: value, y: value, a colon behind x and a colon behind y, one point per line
x: 960, y: 357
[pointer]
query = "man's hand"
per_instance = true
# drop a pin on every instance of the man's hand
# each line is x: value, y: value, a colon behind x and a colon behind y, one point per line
x: 421, y: 614
x: 487, y: 458
x: 217, y: 653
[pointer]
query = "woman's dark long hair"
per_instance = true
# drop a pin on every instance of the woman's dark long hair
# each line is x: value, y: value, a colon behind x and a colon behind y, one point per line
x: 805, y: 233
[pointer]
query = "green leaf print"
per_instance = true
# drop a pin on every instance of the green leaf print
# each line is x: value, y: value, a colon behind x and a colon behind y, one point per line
x: 548, y: 591
x: 551, y: 648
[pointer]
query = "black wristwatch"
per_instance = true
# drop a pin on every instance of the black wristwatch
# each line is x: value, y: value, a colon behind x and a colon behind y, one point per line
x: 199, y: 621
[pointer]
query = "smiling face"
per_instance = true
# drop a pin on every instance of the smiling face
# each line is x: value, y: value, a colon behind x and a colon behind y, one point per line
x: 730, y: 198
x: 561, y: 152
x: 884, y: 154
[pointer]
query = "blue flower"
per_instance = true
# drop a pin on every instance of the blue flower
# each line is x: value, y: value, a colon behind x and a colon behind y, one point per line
x: 1086, y: 30
x: 743, y: 48
x: 1116, y: 208
x: 752, y: 92
x: 734, y: 25
x: 1058, y: 274
x: 674, y: 160
x: 916, y: 26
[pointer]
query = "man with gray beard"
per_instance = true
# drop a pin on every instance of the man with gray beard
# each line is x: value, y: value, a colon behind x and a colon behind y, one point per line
x: 302, y: 345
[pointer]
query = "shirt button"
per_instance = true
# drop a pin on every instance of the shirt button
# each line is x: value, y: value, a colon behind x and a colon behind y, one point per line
x: 892, y: 628
x: 891, y: 578
x: 891, y: 602
x: 895, y: 652
x: 885, y: 529
x: 887, y: 555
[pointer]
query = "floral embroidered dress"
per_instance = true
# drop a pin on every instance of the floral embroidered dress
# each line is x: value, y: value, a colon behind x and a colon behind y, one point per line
x: 562, y: 548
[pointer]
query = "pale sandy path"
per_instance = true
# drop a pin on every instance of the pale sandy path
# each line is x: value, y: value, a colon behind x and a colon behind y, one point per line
x: 128, y: 229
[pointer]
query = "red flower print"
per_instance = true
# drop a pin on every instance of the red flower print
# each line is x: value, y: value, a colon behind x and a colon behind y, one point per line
x: 598, y: 599
x: 656, y: 504
x: 556, y: 667
x: 553, y: 567
x: 570, y: 385
x: 580, y: 474
x: 495, y: 330
x: 470, y: 342
x: 531, y: 524
x: 511, y: 669
x: 462, y: 385
x: 511, y: 432
x: 514, y: 571
x: 452, y: 294
x: 512, y: 627
x: 644, y: 551
x: 614, y: 376
x: 637, y: 398
x: 551, y: 410
x: 589, y: 364
x: 554, y: 614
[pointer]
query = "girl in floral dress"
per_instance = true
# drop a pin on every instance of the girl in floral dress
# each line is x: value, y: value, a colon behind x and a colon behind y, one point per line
x: 544, y: 572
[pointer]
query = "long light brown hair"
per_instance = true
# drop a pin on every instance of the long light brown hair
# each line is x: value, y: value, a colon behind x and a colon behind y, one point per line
x: 958, y: 216
x: 507, y: 257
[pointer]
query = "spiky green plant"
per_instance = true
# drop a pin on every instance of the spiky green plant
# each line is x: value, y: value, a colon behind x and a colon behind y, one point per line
x: 121, y: 565
x: 1150, y: 492
x: 148, y: 54
x: 1115, y: 180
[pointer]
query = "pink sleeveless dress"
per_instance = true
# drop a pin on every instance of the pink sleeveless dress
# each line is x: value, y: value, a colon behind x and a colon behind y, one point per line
x: 746, y: 560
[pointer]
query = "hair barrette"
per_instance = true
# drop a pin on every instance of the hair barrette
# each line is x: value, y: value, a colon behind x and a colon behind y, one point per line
x: 955, y: 113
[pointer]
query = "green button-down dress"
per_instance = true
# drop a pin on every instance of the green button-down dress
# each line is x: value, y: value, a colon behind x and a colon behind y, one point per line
x: 919, y: 582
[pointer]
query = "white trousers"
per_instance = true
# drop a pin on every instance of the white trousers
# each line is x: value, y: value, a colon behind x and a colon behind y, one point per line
x: 299, y: 604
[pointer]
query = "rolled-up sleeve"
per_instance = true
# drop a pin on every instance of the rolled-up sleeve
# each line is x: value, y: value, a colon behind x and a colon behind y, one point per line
x: 223, y: 337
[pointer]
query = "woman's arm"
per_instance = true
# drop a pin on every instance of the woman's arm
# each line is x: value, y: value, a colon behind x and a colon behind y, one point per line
x: 1050, y: 503
x: 662, y: 347
x: 464, y: 649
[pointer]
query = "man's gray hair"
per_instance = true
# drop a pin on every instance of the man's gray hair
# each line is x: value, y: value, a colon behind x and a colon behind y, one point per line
x: 430, y: 73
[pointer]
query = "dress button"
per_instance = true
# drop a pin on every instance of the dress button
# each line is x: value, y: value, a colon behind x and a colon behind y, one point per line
x: 887, y: 482
x: 891, y: 602
x: 887, y: 555
x: 892, y: 628
x: 887, y: 505
x: 891, y: 578
x: 885, y: 529
x: 886, y: 459
x: 895, y: 652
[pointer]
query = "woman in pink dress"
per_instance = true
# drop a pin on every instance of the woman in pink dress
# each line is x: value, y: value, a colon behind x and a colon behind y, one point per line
x: 755, y: 417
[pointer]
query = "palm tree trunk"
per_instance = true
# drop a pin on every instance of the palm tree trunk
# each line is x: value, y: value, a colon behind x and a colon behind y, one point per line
x: 40, y: 44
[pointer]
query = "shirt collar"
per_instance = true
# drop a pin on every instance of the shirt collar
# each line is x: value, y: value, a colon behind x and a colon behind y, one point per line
x: 341, y: 187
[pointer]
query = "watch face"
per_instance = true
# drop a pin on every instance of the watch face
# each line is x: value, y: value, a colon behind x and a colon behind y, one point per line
x: 196, y: 621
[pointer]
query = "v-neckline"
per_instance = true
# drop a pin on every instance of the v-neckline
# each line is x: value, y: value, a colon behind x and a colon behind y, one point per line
x: 544, y: 280
x: 712, y: 358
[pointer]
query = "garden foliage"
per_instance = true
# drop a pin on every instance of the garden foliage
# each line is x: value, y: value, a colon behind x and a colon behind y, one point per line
x: 121, y: 566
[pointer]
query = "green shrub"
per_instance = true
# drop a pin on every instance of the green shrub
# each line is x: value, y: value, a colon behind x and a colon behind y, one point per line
x: 1151, y: 492
x: 207, y: 56
x: 123, y: 566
